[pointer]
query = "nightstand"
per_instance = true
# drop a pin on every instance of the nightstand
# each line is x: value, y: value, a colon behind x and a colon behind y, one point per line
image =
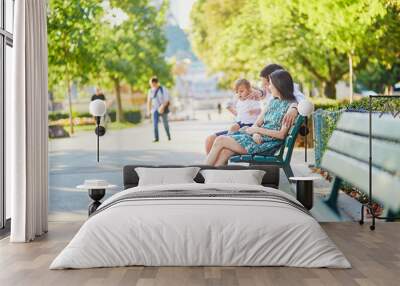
x: 96, y: 190
x: 305, y: 190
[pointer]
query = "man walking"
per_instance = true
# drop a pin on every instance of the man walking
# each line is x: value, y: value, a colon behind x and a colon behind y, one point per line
x: 158, y: 105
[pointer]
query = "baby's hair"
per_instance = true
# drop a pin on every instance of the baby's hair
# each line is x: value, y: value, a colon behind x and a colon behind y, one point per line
x: 241, y: 82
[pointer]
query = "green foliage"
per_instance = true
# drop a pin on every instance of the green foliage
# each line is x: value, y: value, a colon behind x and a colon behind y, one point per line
x: 383, y: 104
x: 72, y: 45
x: 328, y: 126
x: 53, y: 116
x: 377, y: 76
x: 378, y: 104
x: 87, y: 46
x: 84, y: 46
x: 133, y: 116
x: 332, y: 110
x: 327, y: 103
x: 313, y: 39
x: 133, y: 50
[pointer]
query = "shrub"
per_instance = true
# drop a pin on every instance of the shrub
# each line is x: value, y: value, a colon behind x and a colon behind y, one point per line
x: 329, y: 119
x: 54, y: 115
x: 327, y: 103
x: 133, y: 116
x: 378, y: 104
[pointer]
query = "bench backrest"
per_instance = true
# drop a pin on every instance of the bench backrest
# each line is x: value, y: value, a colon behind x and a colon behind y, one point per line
x: 285, y: 152
x: 347, y: 155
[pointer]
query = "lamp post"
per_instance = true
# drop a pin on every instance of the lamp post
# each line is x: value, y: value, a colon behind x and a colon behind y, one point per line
x: 305, y: 108
x: 98, y: 108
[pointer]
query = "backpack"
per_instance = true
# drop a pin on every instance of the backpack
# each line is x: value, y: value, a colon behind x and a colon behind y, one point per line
x: 166, y: 110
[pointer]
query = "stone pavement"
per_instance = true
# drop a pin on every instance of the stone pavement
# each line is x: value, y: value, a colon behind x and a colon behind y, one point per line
x: 72, y: 160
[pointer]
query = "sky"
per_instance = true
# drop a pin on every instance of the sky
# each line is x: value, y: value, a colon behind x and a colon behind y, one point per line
x: 181, y: 11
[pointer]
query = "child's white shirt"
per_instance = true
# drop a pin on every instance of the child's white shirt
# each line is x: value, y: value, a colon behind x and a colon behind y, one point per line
x: 243, y: 107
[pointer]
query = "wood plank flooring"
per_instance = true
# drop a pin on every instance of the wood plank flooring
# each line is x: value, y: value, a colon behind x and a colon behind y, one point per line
x: 375, y: 257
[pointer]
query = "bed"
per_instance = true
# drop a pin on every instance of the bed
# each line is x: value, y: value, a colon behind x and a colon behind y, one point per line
x: 197, y: 224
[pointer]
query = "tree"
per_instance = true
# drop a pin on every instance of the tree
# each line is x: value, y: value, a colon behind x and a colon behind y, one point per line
x: 300, y: 46
x: 349, y: 27
x: 72, y: 27
x: 212, y: 32
x: 239, y: 40
x: 133, y: 50
x: 379, y: 77
x: 383, y: 71
x: 315, y: 40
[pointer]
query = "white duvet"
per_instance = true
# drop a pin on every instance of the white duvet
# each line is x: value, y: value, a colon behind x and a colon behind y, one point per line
x: 200, y: 231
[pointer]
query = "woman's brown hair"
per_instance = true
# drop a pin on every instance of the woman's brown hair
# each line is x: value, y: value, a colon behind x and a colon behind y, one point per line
x: 283, y: 82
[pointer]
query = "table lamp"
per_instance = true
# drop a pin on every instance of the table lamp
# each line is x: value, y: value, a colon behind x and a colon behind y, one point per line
x: 305, y: 108
x: 98, y: 108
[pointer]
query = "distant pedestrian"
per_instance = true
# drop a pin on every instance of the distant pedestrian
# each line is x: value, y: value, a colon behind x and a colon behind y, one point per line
x: 219, y: 107
x: 158, y: 105
x: 98, y: 95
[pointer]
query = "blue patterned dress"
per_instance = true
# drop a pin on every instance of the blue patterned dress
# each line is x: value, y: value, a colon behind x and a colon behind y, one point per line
x: 273, y: 121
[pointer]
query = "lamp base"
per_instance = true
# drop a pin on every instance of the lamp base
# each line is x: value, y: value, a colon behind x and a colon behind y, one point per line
x: 96, y: 195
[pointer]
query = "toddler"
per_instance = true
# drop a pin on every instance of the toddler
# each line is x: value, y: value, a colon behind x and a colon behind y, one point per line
x: 247, y: 107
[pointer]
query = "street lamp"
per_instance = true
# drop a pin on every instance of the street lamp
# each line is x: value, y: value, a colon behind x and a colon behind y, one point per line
x: 305, y: 108
x: 98, y: 108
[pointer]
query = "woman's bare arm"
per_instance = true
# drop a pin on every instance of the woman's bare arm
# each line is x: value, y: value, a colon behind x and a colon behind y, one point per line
x: 260, y: 118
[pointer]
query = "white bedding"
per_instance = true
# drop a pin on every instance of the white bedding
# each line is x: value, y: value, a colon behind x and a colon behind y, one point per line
x: 200, y: 231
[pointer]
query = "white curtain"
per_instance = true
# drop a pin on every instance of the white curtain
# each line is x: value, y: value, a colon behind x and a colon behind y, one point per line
x: 27, y: 148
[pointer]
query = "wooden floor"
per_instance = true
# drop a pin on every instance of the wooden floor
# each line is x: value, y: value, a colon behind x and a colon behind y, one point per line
x: 375, y: 257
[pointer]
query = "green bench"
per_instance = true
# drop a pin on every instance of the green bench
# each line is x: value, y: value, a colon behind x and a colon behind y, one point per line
x: 281, y: 158
x: 347, y: 159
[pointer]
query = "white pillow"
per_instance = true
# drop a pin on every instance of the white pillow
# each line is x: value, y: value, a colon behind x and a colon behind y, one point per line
x: 166, y: 176
x: 247, y: 177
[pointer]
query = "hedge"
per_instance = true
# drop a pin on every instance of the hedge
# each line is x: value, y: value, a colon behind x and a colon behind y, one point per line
x: 384, y: 104
x: 326, y: 103
x: 330, y: 119
x: 133, y: 116
x: 378, y: 104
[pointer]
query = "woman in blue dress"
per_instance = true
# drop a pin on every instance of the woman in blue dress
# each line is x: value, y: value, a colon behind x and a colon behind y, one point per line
x: 265, y: 139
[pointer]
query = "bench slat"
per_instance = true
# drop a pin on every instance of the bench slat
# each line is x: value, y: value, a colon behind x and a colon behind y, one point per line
x: 385, y: 154
x: 386, y: 187
x: 387, y: 126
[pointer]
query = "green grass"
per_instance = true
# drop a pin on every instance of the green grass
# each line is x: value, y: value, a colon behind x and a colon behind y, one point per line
x: 110, y: 126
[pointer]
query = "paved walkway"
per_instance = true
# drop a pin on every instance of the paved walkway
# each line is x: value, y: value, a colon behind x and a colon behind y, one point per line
x: 72, y: 160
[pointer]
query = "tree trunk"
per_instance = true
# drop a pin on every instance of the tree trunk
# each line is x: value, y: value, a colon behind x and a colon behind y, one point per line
x: 71, y: 120
x: 351, y: 77
x: 330, y: 89
x: 120, y: 112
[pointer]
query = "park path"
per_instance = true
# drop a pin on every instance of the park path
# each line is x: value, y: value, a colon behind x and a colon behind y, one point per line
x: 72, y: 160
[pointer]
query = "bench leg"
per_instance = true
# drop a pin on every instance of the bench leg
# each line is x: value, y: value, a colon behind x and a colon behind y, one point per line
x: 288, y: 171
x: 332, y: 200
